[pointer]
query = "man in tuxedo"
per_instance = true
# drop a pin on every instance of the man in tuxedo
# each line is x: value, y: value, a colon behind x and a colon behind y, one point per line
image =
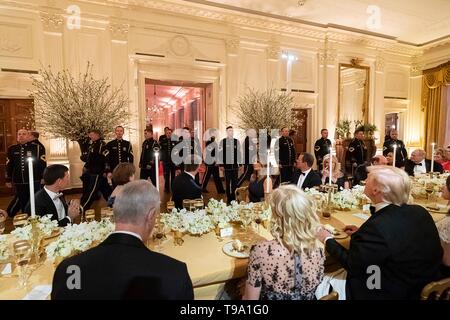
x: 50, y: 200
x: 418, y: 164
x: 122, y: 267
x: 305, y: 177
x: 361, y: 170
x: 184, y: 185
x: 397, y: 251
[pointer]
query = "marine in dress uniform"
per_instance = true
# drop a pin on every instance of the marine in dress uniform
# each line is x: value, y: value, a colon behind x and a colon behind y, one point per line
x: 17, y: 170
x: 230, y: 158
x: 211, y: 166
x: 250, y: 150
x: 286, y: 153
x: 167, y: 142
x: 356, y: 153
x: 322, y: 148
x: 147, y: 161
x: 401, y: 154
x: 95, y: 169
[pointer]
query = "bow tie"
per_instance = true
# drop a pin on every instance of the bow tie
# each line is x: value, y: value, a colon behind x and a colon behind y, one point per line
x: 57, y: 196
x: 418, y: 164
x: 303, y: 173
x: 372, y: 210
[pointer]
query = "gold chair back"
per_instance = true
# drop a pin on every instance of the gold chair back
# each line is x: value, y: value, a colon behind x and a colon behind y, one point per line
x: 331, y: 296
x: 241, y: 194
x: 438, y: 290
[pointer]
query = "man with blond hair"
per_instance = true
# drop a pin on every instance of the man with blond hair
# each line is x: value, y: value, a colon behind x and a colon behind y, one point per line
x: 397, y: 251
x: 419, y: 165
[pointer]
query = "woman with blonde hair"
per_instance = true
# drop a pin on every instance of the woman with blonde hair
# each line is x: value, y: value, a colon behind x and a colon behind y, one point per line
x: 291, y: 266
x: 338, y: 176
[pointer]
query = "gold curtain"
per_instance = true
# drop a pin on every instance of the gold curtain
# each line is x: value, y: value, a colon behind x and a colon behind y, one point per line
x: 434, y: 104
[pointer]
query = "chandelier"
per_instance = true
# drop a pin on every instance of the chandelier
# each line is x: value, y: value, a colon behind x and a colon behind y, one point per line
x: 154, y: 108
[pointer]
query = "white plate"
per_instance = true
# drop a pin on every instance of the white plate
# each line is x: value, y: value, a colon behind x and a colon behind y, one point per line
x: 228, y: 250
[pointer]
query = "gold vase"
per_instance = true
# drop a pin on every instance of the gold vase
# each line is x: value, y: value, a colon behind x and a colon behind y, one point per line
x: 36, y: 239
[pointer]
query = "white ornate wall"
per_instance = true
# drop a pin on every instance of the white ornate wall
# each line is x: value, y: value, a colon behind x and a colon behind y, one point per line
x: 128, y: 41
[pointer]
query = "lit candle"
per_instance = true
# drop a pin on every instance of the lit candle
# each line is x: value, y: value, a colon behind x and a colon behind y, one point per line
x: 395, y: 153
x: 157, y: 169
x: 330, y: 164
x: 31, y: 184
x: 432, y: 157
x: 268, y: 172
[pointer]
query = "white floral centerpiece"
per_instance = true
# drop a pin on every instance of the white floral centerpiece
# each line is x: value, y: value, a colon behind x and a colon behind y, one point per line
x: 358, y: 193
x: 345, y: 200
x: 195, y: 223
x: 45, y: 224
x: 79, y: 238
x: 4, y: 248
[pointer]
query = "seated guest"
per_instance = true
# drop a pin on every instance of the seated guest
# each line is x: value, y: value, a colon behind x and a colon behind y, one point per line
x: 418, y: 164
x: 258, y: 185
x: 291, y: 266
x: 338, y: 176
x: 390, y: 158
x: 444, y: 232
x: 446, y: 164
x: 400, y: 240
x: 122, y: 267
x: 122, y: 174
x: 304, y: 176
x: 440, y: 157
x: 184, y: 185
x: 50, y: 200
x: 361, y: 170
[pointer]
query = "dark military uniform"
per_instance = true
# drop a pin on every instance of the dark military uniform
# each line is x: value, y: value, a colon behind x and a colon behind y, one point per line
x: 401, y: 155
x: 211, y: 166
x: 321, y: 148
x: 250, y: 157
x: 356, y: 154
x: 119, y: 151
x: 167, y: 145
x: 17, y: 173
x: 93, y: 178
x: 286, y: 155
x: 147, y: 162
x: 230, y: 158
x: 185, y: 149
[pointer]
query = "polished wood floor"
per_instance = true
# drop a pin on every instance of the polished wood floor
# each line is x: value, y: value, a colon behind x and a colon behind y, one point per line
x: 98, y: 204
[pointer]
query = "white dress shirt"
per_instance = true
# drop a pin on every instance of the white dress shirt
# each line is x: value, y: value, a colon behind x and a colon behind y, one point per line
x: 419, y: 169
x: 302, y: 178
x: 190, y: 174
x: 56, y: 198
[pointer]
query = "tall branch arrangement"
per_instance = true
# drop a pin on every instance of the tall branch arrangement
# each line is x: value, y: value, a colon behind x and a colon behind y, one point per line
x: 69, y: 108
x: 264, y: 110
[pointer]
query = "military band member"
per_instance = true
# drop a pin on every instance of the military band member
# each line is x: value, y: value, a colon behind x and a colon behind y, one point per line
x: 17, y: 170
x: 95, y: 171
x: 167, y: 144
x: 357, y: 150
x: 287, y: 155
x: 34, y: 138
x: 322, y: 147
x: 212, y: 167
x: 119, y: 150
x: 250, y: 151
x: 401, y: 154
x: 147, y: 162
x: 230, y: 158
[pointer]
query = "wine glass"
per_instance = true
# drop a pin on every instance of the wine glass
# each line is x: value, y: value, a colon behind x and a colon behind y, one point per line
x: 198, y: 204
x: 170, y: 206
x: 159, y: 234
x: 258, y: 221
x: 20, y: 220
x: 187, y: 204
x: 89, y: 215
x: 429, y: 190
x: 22, y: 254
x: 2, y: 223
x: 106, y: 213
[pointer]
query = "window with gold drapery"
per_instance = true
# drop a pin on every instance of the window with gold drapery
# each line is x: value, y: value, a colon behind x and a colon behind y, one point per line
x: 434, y: 104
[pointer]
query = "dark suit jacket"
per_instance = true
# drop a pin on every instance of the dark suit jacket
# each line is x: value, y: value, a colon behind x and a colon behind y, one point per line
x: 44, y: 205
x: 184, y: 187
x: 360, y: 173
x: 403, y: 242
x: 121, y: 267
x: 311, y: 180
x: 409, y: 167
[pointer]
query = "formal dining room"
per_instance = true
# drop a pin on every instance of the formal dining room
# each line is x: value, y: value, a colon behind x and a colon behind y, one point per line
x: 224, y: 150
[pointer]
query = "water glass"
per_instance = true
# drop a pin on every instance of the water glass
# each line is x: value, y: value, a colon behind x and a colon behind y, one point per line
x: 22, y: 255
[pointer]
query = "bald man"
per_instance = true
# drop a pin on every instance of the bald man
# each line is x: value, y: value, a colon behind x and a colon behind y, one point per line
x: 419, y: 165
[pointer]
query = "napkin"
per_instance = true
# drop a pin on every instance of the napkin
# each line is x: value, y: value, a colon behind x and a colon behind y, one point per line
x: 7, y: 269
x: 329, y: 228
x: 361, y: 216
x: 39, y: 293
